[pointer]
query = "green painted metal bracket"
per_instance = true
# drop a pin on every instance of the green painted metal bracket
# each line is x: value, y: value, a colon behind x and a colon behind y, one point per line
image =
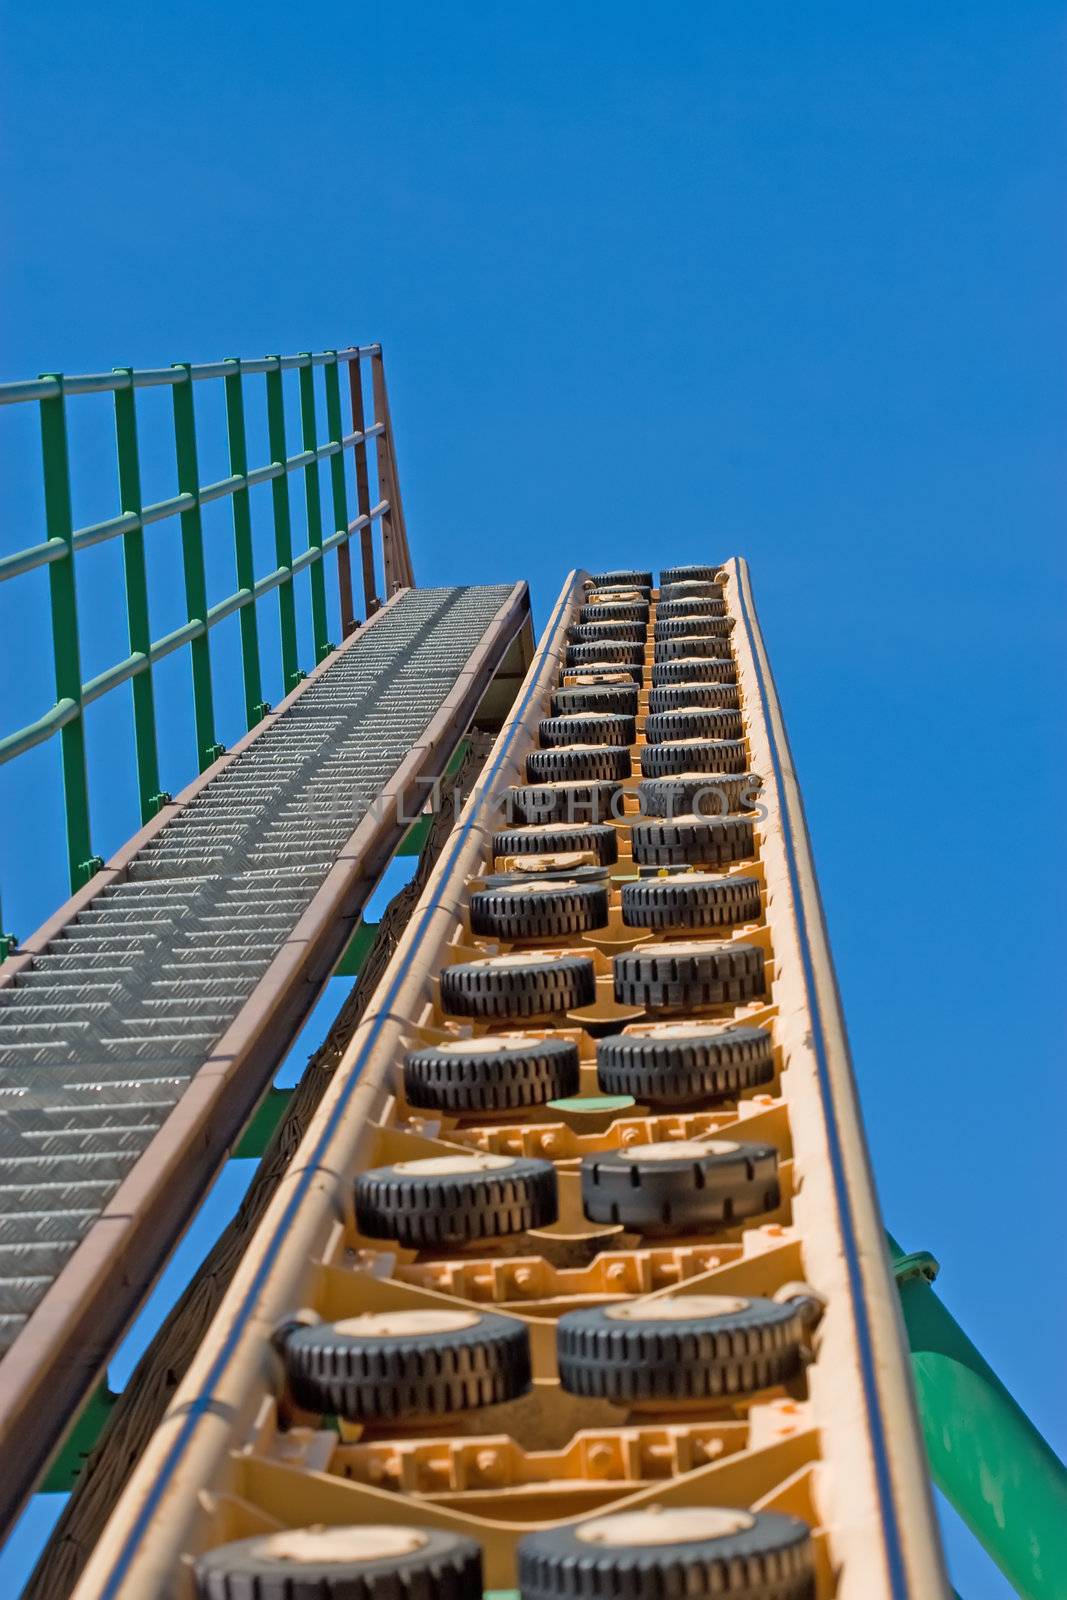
x: 260, y: 1130
x: 357, y: 951
x: 79, y: 1443
x: 985, y: 1454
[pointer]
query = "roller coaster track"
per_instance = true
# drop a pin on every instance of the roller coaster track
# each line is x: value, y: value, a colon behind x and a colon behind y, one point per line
x: 823, y: 1438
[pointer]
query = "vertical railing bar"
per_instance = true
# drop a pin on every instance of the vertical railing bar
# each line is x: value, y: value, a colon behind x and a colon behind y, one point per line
x: 241, y: 509
x: 335, y: 429
x: 283, y: 532
x: 66, y: 652
x: 406, y: 574
x: 207, y: 749
x: 359, y: 451
x: 137, y: 618
x: 382, y: 454
x: 313, y: 509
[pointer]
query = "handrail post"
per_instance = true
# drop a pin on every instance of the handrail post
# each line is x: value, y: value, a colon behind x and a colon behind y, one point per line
x: 335, y: 432
x: 366, y: 533
x: 256, y: 707
x: 283, y: 533
x: 207, y: 747
x: 137, y: 618
x: 405, y: 573
x: 313, y: 510
x: 385, y: 487
x: 66, y: 651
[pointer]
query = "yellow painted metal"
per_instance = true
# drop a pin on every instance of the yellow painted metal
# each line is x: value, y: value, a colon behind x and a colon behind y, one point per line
x: 838, y: 1446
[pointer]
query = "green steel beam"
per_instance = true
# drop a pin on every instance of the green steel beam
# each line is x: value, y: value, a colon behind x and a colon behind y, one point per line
x: 207, y: 747
x: 139, y: 630
x: 313, y: 510
x: 283, y: 533
x: 255, y: 706
x: 985, y: 1454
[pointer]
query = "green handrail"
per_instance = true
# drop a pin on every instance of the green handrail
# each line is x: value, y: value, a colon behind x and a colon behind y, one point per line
x: 63, y: 541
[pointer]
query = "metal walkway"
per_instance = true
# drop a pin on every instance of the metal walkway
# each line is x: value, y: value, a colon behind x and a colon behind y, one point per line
x: 110, y: 1021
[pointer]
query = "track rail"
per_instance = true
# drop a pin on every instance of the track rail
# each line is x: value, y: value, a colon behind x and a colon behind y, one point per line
x: 835, y: 1444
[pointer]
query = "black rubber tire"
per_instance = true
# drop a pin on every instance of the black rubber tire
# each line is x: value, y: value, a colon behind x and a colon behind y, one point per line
x: 697, y: 605
x: 698, y: 722
x: 598, y: 650
x: 688, y: 973
x: 538, y: 911
x: 445, y: 1566
x: 362, y: 1377
x: 633, y: 672
x: 597, y: 763
x: 714, y: 647
x: 690, y: 696
x: 615, y: 611
x: 619, y: 699
x: 534, y: 988
x: 696, y: 1190
x: 571, y: 803
x: 549, y: 839
x: 770, y: 1560
x: 692, y: 841
x: 704, y: 794
x: 462, y: 1080
x: 694, y: 573
x: 706, y: 1063
x: 713, y: 1356
x: 642, y: 592
x: 691, y: 589
x: 432, y: 1210
x: 589, y: 727
x: 676, y: 756
x: 692, y: 627
x: 694, y: 669
x: 602, y: 632
x: 691, y: 900
x: 624, y: 575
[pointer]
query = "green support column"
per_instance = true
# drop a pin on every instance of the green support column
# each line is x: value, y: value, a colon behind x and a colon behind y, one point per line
x: 283, y: 533
x: 335, y: 432
x: 207, y: 749
x: 65, y: 648
x: 313, y: 504
x: 986, y: 1456
x: 140, y: 635
x: 256, y: 707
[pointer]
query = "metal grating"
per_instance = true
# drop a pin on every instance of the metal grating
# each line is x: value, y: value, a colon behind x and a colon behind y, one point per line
x: 101, y: 1034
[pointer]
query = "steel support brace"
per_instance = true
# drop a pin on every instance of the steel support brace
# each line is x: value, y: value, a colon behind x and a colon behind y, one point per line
x: 985, y: 1454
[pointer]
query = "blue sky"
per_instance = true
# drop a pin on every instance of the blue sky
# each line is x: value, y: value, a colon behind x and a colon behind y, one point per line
x: 660, y: 284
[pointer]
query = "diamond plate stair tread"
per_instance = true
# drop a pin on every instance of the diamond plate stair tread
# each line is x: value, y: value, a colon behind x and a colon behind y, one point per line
x: 99, y: 1036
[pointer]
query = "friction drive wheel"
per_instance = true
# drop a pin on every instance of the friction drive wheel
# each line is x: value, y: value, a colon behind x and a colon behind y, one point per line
x: 697, y: 605
x: 701, y: 794
x: 450, y: 1200
x: 691, y: 900
x: 691, y: 589
x: 671, y: 1552
x: 699, y: 722
x: 675, y: 756
x: 686, y: 696
x: 677, y: 1063
x: 694, y: 669
x: 365, y: 1563
x: 688, y: 972
x: 578, y: 763
x: 680, y: 1347
x: 536, y: 984
x: 499, y: 1072
x: 549, y: 838
x: 614, y: 611
x: 388, y: 1364
x: 605, y: 650
x: 549, y: 910
x: 592, y: 672
x: 618, y: 698
x: 680, y: 1185
x: 564, y: 802
x: 707, y: 645
x: 625, y: 575
x: 597, y: 632
x: 690, y: 574
x: 590, y: 727
x: 680, y: 627
x: 702, y: 841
